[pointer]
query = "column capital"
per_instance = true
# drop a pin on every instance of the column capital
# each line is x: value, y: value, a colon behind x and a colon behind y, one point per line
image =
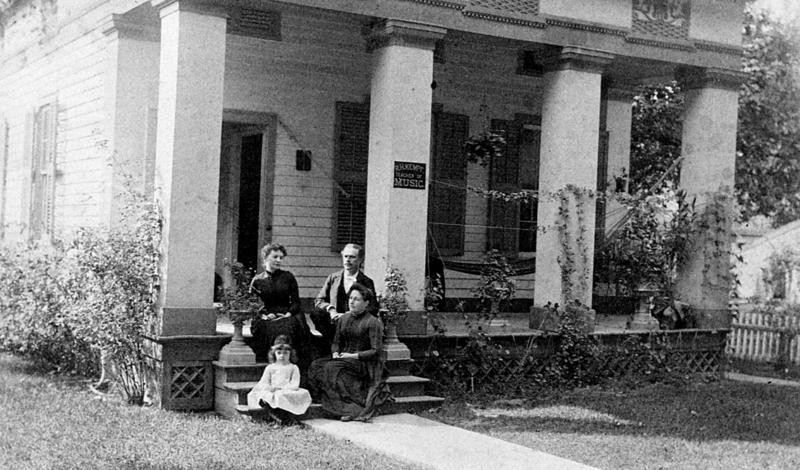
x: 205, y: 7
x: 125, y: 27
x: 578, y: 58
x: 690, y: 78
x: 620, y: 91
x: 393, y: 32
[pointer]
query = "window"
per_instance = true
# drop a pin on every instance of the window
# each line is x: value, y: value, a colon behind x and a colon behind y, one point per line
x: 43, y: 152
x: 447, y: 199
x: 512, y: 224
x: 351, y: 145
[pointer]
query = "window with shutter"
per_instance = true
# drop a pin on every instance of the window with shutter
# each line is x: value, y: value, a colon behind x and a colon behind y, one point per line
x: 512, y: 225
x: 447, y: 199
x: 43, y: 171
x: 530, y: 137
x: 351, y: 145
x: 602, y: 177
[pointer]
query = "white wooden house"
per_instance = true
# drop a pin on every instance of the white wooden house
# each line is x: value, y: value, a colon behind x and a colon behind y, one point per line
x: 309, y: 109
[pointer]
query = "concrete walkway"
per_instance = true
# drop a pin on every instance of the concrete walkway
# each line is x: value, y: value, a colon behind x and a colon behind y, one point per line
x: 427, y: 443
x: 760, y: 380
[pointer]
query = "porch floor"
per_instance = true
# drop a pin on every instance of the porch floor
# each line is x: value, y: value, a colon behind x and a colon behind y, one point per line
x: 507, y: 324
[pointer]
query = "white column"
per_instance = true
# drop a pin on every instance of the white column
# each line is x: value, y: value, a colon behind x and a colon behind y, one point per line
x: 570, y: 134
x: 187, y: 162
x: 399, y: 133
x: 709, y: 150
x: 618, y: 124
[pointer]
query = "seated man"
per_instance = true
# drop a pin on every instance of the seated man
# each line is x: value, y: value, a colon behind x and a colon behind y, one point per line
x: 331, y: 302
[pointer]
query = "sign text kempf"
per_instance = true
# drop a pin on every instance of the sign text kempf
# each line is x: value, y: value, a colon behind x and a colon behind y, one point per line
x: 409, y: 175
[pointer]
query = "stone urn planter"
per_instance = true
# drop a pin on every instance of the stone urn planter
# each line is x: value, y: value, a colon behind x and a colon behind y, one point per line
x: 393, y: 349
x: 237, y: 352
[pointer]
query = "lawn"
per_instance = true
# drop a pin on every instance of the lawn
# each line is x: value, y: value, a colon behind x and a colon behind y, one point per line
x: 51, y: 421
x: 714, y: 425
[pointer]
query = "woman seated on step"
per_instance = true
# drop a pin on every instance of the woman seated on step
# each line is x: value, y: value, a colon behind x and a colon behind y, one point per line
x: 352, y: 383
x: 281, y: 313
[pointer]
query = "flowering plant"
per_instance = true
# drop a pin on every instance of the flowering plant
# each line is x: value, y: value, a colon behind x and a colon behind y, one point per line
x: 393, y: 300
x: 237, y: 301
x: 481, y: 148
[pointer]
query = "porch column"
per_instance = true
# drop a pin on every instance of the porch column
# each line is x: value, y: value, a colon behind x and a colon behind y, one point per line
x: 618, y: 124
x: 709, y: 150
x: 569, y: 150
x: 187, y: 162
x: 399, y: 152
x: 133, y: 76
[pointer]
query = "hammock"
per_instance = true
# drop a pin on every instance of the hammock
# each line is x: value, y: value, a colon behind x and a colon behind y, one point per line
x: 520, y: 266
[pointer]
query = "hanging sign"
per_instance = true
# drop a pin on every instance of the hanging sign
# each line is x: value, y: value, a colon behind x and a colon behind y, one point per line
x: 409, y: 175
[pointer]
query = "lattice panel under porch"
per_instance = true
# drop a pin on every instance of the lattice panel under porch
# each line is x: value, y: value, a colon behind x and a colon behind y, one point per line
x: 188, y: 382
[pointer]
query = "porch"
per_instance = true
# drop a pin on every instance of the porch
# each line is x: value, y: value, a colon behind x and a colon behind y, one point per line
x: 369, y: 149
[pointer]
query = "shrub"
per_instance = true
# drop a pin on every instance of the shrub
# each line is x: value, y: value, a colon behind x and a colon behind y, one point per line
x: 32, y: 306
x: 64, y: 303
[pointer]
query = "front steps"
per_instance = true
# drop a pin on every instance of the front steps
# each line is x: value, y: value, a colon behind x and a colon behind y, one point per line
x: 233, y: 383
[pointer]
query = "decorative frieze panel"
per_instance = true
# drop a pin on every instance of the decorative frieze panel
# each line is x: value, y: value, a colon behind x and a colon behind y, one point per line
x: 521, y: 12
x: 662, y: 18
x: 522, y: 7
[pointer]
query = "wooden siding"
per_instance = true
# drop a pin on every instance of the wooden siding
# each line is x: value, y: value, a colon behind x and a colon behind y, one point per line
x: 65, y: 65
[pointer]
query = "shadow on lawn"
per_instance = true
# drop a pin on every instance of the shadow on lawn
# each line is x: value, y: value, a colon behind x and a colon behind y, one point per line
x: 724, y: 410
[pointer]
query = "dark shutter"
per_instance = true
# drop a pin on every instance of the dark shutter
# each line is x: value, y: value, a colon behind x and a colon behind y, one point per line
x: 504, y: 176
x: 3, y: 174
x: 530, y: 140
x: 447, y: 197
x: 351, y: 144
x: 43, y: 171
x: 602, y: 178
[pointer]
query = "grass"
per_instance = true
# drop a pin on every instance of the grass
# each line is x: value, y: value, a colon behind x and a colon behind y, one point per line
x: 712, y: 425
x: 50, y: 421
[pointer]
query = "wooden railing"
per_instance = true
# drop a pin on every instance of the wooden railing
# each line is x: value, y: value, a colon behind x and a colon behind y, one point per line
x: 761, y: 337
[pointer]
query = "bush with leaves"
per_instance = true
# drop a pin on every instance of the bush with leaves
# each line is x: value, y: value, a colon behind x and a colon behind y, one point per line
x: 33, y: 322
x: 650, y: 246
x: 112, y: 289
x: 64, y: 303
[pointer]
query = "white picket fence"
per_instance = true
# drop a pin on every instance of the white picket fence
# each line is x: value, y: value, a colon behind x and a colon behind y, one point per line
x: 757, y: 337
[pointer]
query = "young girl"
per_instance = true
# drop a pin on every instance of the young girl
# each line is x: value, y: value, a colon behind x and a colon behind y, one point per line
x: 279, y: 387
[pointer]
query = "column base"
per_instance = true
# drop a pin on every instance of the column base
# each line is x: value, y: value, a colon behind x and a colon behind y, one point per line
x: 237, y: 355
x: 643, y: 321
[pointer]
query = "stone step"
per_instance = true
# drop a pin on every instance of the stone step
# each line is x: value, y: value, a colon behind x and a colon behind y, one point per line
x: 240, y: 389
x: 224, y: 373
x: 401, y: 386
x: 399, y: 405
x: 407, y: 385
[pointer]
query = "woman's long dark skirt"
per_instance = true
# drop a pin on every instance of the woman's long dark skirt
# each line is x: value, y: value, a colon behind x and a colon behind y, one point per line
x: 349, y: 387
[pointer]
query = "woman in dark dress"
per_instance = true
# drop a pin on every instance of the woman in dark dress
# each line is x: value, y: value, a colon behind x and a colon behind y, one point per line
x: 281, y: 313
x: 352, y: 383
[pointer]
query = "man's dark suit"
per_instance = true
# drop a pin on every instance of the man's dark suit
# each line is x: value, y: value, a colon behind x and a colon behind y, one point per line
x: 333, y: 294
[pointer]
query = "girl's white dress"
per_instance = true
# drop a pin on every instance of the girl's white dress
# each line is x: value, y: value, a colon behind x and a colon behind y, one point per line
x: 288, y: 396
